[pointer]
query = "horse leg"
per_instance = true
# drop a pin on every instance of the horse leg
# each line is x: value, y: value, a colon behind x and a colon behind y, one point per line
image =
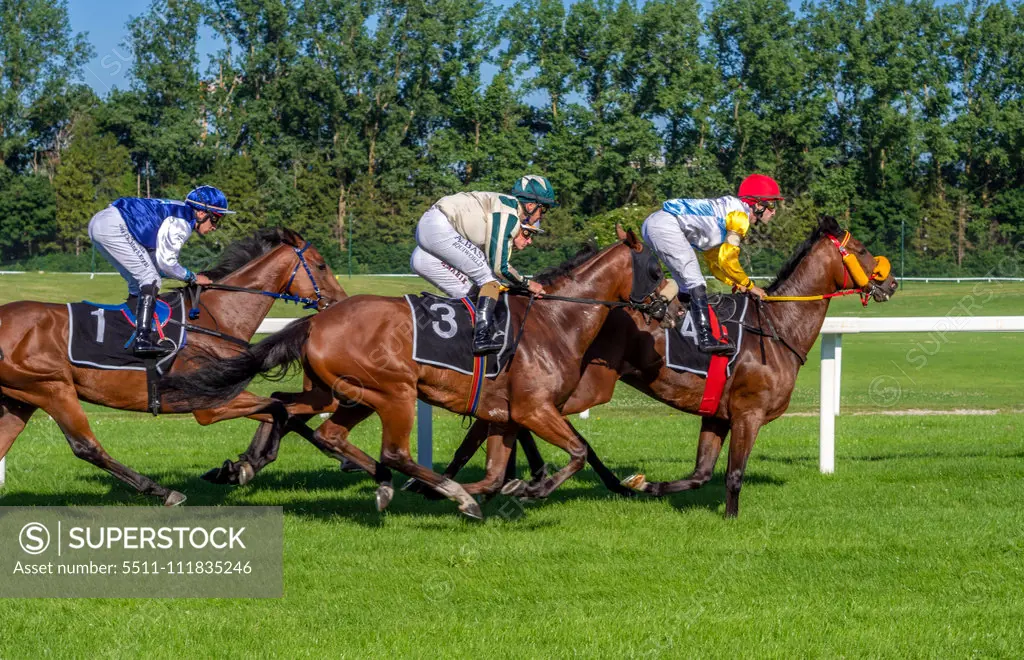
x: 744, y: 433
x: 608, y: 478
x: 475, y: 437
x: 549, y: 424
x: 68, y: 413
x: 14, y: 415
x: 501, y: 445
x: 397, y: 418
x: 273, y: 418
x: 331, y: 438
x: 538, y: 468
x: 712, y: 435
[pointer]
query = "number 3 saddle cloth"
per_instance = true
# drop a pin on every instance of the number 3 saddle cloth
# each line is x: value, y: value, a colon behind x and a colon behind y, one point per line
x: 442, y: 330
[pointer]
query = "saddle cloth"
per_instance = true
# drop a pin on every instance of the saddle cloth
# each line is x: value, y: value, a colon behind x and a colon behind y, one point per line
x: 443, y: 333
x: 682, y: 353
x: 101, y: 336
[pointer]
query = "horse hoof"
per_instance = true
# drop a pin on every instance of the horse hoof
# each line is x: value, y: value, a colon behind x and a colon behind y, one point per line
x: 472, y: 511
x: 385, y: 492
x: 174, y: 498
x: 635, y: 482
x: 224, y: 475
x: 514, y: 488
x: 350, y: 467
x: 245, y: 473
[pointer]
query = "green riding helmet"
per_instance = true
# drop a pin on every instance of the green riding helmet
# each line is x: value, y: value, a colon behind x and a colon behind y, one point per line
x: 533, y: 188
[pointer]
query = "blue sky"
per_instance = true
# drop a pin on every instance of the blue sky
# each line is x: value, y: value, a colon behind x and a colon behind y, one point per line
x: 105, y: 22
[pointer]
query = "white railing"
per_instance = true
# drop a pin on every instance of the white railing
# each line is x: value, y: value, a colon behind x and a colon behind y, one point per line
x: 831, y: 368
x: 832, y: 350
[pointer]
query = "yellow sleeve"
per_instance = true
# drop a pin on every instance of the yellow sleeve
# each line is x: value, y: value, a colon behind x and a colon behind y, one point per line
x: 738, y: 222
x: 724, y: 262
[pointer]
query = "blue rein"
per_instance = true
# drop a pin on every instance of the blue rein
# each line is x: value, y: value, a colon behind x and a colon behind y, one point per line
x: 307, y: 303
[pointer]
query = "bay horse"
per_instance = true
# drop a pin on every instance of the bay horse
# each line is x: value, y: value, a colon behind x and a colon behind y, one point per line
x: 35, y: 372
x: 631, y: 348
x: 361, y: 350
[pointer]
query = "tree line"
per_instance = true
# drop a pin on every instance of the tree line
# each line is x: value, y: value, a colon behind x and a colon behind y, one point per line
x: 346, y: 119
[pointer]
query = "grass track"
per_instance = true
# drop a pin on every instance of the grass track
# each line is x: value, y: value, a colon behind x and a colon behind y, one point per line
x: 913, y: 548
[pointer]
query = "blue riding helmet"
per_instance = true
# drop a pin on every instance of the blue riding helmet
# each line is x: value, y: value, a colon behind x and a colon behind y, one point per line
x: 208, y: 198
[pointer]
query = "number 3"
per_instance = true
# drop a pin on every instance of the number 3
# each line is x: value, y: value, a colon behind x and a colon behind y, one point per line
x: 448, y: 317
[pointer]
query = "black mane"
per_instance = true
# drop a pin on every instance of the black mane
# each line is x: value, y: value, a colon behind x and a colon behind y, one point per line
x: 548, y: 275
x: 245, y: 250
x: 826, y: 225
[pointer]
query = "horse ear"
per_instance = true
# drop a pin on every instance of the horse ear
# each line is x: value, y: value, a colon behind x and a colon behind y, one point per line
x: 634, y: 242
x: 829, y: 224
x: 620, y: 232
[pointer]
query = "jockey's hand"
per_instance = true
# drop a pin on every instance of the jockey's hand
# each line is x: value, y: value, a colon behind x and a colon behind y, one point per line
x: 203, y: 280
x: 755, y: 290
x: 536, y: 288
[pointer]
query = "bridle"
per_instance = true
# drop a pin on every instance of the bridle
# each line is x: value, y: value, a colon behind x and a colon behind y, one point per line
x: 307, y: 303
x: 852, y: 269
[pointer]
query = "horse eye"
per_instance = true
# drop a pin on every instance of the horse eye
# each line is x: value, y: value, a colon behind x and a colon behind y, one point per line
x: 322, y: 267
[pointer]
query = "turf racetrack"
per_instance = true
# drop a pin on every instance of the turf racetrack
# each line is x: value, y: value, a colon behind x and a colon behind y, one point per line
x: 913, y: 548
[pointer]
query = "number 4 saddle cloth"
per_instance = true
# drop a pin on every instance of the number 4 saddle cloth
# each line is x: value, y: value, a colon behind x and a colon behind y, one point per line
x: 101, y: 336
x: 682, y: 353
x: 442, y: 330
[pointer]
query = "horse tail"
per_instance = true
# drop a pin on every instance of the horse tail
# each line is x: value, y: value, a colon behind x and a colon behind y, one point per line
x: 217, y: 381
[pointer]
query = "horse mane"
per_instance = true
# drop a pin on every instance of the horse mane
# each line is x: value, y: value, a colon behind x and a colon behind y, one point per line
x: 549, y: 275
x: 826, y: 225
x: 242, y: 251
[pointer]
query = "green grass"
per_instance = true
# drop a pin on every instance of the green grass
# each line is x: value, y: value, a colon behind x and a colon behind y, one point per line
x: 913, y: 547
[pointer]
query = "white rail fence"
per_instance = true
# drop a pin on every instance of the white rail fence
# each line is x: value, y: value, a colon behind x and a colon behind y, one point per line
x: 831, y: 369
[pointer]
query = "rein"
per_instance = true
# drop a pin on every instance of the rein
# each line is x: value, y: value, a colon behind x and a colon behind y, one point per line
x: 644, y: 307
x: 307, y: 303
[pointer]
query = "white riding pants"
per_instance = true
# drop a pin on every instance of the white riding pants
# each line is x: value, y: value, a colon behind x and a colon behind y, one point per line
x: 109, y: 233
x: 446, y: 259
x: 661, y: 231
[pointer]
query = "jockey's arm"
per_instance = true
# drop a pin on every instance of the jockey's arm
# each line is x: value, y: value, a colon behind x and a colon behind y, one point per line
x: 170, y: 239
x: 724, y: 262
x: 506, y: 226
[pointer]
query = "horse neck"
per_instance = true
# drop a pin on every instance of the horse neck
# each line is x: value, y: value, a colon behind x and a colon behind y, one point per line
x: 799, y: 322
x: 240, y: 314
x: 601, y: 278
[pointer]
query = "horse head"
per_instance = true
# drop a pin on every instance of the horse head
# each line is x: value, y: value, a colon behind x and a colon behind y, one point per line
x: 280, y: 260
x: 871, y: 274
x: 832, y: 259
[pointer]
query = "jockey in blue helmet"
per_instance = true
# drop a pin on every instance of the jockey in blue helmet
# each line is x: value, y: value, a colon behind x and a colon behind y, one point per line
x: 142, y: 239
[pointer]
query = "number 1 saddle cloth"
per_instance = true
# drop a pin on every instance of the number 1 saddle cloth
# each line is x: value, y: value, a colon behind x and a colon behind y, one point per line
x: 443, y: 333
x: 101, y: 336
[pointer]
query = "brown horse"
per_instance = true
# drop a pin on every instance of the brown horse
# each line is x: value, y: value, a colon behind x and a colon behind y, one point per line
x: 35, y: 371
x: 361, y: 350
x: 631, y: 347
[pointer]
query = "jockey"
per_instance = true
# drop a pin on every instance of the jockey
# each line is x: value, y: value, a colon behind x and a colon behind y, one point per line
x: 142, y: 239
x: 466, y: 239
x: 715, y: 228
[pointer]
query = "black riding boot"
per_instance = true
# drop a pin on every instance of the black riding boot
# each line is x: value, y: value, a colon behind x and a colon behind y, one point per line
x: 144, y: 346
x: 706, y: 341
x: 484, y: 340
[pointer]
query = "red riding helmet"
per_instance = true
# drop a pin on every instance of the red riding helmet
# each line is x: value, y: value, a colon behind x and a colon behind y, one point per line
x: 759, y: 188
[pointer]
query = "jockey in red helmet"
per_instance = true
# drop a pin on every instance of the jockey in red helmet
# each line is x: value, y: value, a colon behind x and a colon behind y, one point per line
x: 714, y: 227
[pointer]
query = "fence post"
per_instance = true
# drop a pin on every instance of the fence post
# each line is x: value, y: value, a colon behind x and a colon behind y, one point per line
x: 839, y: 370
x: 424, y: 435
x: 3, y: 471
x: 827, y: 418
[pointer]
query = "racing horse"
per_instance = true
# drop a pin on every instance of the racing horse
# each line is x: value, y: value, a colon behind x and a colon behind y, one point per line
x: 360, y: 350
x: 631, y: 347
x: 35, y: 372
